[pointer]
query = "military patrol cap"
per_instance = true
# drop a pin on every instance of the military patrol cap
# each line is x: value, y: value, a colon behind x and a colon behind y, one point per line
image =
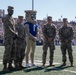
x: 49, y: 17
x: 20, y: 17
x: 30, y: 11
x: 64, y: 19
x: 10, y: 7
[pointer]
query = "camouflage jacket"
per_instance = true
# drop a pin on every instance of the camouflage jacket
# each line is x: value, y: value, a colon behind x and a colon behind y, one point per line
x: 21, y: 31
x: 66, y: 32
x: 49, y: 31
x: 9, y: 26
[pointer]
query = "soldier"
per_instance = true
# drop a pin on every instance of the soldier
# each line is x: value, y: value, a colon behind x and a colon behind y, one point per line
x: 9, y: 36
x: 31, y: 31
x: 66, y: 35
x: 20, y: 43
x: 49, y: 33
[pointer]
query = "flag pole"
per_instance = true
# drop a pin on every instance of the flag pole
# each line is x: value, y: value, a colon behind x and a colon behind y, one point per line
x: 32, y: 4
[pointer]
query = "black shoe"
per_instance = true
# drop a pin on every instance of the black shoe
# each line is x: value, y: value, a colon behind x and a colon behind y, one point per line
x: 10, y: 67
x: 51, y: 65
x: 43, y: 66
x: 17, y: 68
x: 22, y: 67
x: 71, y: 65
x: 64, y: 64
x: 5, y: 70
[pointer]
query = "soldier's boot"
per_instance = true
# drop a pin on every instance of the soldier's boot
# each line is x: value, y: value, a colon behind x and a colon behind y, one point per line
x: 71, y: 64
x: 5, y: 68
x: 17, y: 66
x: 10, y: 67
x: 51, y: 64
x: 63, y: 64
x: 43, y: 63
x: 44, y: 59
x: 20, y: 65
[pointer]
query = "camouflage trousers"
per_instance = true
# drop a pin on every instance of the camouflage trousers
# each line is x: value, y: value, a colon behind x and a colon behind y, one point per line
x: 9, y: 50
x: 51, y: 51
x: 66, y: 47
x: 19, y: 51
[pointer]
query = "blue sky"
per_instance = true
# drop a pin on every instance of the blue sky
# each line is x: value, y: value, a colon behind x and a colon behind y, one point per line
x: 54, y: 8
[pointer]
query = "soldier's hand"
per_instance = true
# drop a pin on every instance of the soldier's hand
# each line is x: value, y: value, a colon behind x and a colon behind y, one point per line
x: 49, y: 39
x: 15, y: 36
x: 16, y: 33
x: 66, y: 40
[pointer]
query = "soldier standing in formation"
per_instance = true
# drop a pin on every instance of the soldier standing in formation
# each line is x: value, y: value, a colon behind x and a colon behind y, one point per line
x: 66, y: 36
x: 9, y: 36
x: 49, y: 33
x: 20, y: 43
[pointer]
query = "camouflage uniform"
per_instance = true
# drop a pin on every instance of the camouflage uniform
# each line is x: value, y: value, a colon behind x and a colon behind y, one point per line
x: 20, y: 45
x: 66, y: 33
x: 9, y: 29
x: 49, y: 31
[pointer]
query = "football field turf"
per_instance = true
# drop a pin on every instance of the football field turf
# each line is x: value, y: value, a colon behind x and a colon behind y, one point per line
x: 54, y: 70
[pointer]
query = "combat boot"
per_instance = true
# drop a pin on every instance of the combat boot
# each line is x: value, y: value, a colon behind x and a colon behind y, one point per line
x: 42, y: 66
x: 10, y: 67
x: 17, y: 67
x: 71, y: 64
x: 21, y: 66
x: 43, y: 63
x: 63, y: 64
x: 51, y: 64
x: 5, y: 69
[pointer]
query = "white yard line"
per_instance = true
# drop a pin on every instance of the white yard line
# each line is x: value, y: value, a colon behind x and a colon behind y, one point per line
x: 69, y: 71
x: 1, y: 61
x: 38, y: 62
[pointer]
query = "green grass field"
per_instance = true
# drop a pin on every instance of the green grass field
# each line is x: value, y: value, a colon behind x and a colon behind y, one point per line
x: 47, y: 70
